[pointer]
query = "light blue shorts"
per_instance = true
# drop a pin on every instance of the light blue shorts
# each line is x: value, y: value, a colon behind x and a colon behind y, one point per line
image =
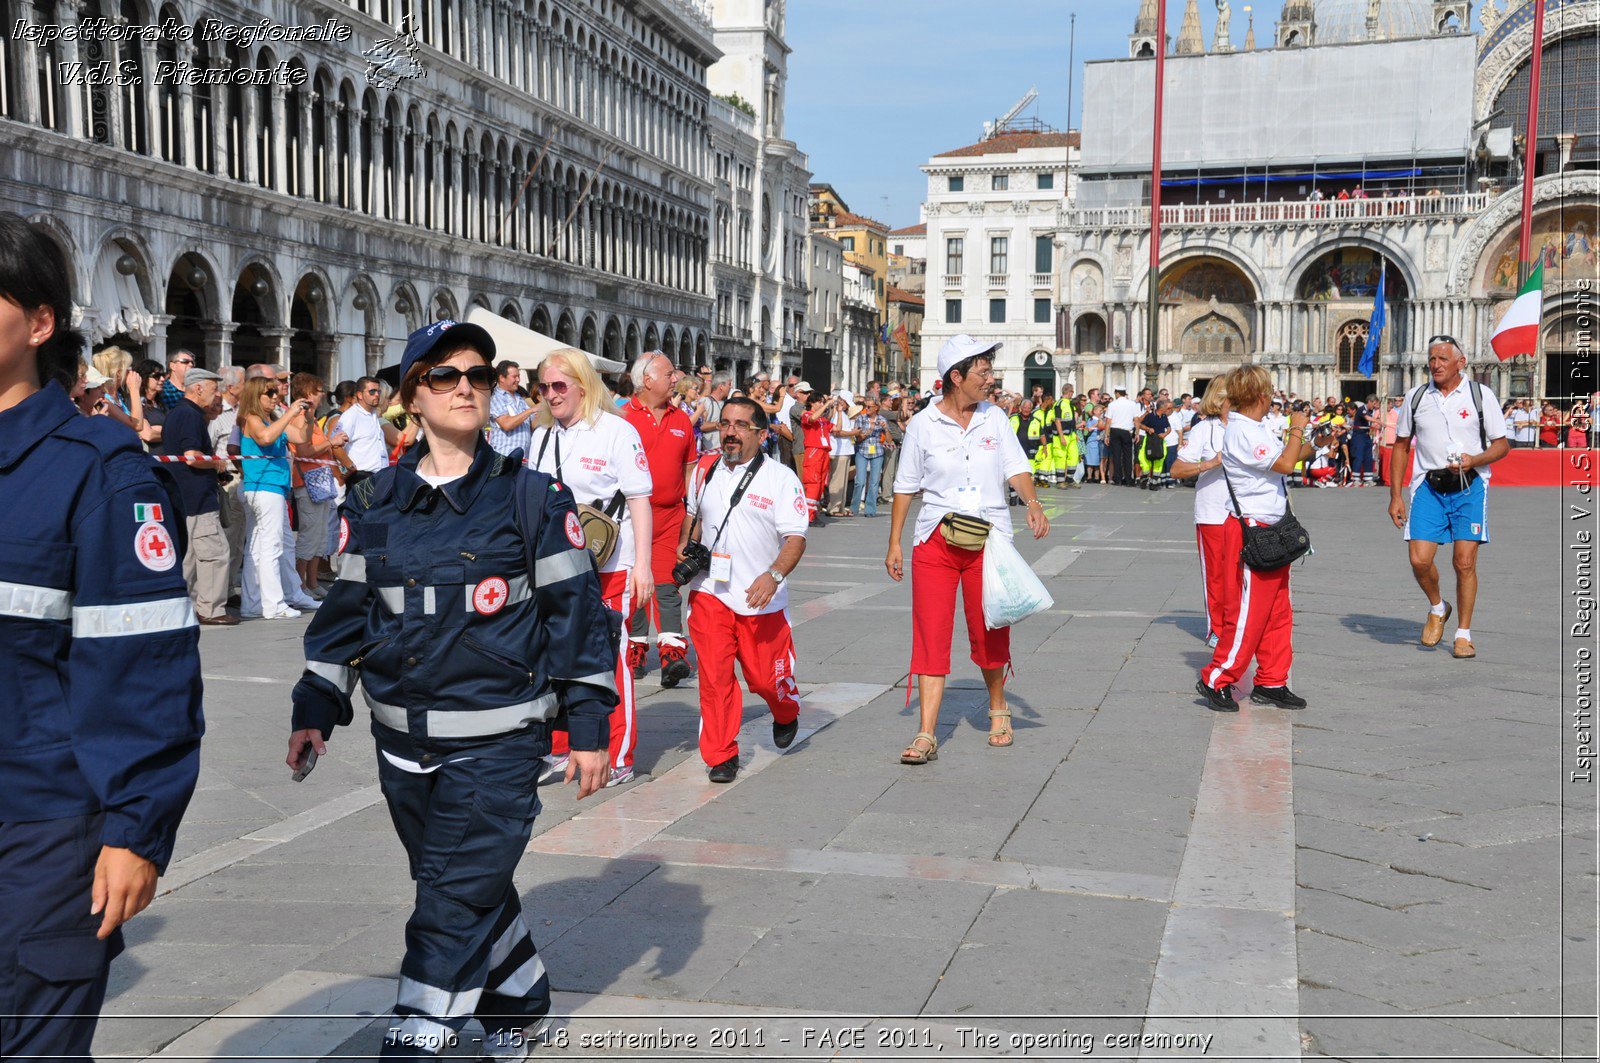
x: 1462, y: 516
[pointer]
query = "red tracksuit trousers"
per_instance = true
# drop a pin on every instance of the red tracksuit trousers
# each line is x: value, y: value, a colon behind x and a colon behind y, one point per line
x: 1263, y: 628
x: 624, y: 735
x: 764, y: 648
x: 1219, y: 571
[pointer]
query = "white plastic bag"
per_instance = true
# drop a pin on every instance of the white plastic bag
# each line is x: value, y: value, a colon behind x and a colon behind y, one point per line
x: 1011, y: 592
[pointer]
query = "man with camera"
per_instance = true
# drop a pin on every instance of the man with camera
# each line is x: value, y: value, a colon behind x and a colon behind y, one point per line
x: 746, y: 533
x: 1450, y: 430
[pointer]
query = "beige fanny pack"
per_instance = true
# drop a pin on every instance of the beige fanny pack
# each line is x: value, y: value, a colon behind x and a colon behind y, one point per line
x: 964, y: 532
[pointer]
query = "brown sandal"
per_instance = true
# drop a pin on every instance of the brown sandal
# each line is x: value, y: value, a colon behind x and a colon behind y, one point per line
x: 1005, y: 736
x: 915, y: 755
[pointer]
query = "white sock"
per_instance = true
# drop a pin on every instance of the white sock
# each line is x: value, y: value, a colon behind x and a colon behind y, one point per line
x: 1464, y: 633
x: 1438, y: 610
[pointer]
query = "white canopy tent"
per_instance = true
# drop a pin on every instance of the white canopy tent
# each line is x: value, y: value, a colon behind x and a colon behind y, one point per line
x: 526, y: 347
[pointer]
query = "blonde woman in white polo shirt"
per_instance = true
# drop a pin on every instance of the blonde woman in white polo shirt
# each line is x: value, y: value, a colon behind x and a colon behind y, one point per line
x: 582, y: 442
x: 959, y: 453
x: 1200, y: 455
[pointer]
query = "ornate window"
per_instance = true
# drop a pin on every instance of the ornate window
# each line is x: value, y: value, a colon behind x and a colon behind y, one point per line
x: 1351, y: 343
x: 1214, y: 336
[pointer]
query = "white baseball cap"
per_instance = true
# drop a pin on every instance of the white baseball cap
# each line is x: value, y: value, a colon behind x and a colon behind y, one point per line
x: 958, y: 349
x: 802, y: 386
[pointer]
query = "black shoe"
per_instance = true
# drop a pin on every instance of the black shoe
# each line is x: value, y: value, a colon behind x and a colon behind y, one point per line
x: 1282, y: 697
x: 726, y: 771
x: 675, y: 671
x: 1218, y: 700
x: 783, y: 733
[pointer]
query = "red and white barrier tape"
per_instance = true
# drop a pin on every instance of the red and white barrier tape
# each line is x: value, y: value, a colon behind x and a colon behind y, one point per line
x: 180, y: 459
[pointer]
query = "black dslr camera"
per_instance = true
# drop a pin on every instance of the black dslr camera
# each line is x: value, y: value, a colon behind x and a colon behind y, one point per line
x: 696, y: 559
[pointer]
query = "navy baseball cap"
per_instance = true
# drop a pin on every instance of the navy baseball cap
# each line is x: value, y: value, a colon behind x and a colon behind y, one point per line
x: 430, y: 338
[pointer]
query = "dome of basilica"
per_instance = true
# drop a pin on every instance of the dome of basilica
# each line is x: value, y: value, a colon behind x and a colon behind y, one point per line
x: 1342, y: 21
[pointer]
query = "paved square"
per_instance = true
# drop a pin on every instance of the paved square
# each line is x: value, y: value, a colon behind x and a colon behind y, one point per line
x: 1378, y: 875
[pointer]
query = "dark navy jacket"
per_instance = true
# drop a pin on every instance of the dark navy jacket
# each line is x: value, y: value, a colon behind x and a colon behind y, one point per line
x: 452, y: 642
x: 98, y: 643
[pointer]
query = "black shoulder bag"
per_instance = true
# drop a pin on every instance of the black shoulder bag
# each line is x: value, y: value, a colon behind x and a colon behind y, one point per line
x: 1270, y: 546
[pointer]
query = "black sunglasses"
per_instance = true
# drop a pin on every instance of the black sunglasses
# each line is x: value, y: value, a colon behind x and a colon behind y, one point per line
x: 444, y: 378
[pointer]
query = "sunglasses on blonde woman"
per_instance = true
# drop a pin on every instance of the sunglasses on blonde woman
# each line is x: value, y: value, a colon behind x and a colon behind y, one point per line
x: 553, y: 387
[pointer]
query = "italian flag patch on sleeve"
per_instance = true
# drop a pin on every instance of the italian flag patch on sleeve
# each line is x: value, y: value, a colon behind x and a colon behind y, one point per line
x: 146, y: 511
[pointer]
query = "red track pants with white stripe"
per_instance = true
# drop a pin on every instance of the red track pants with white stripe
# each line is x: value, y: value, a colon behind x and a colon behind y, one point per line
x: 1219, y: 571
x: 1263, y: 628
x: 764, y: 648
x: 624, y: 735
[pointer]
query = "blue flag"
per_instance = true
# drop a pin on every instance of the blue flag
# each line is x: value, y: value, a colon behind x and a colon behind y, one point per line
x: 1369, y: 357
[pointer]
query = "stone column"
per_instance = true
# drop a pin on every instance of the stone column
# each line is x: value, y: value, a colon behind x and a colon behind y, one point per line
x: 219, y: 343
x: 156, y: 346
x: 152, y: 102
x: 276, y: 344
x: 221, y: 142
x: 117, y: 136
x: 308, y: 141
x: 27, y: 77
x: 375, y: 353
x: 76, y: 120
x: 250, y: 122
x: 280, y: 141
x: 473, y: 194
x: 185, y: 135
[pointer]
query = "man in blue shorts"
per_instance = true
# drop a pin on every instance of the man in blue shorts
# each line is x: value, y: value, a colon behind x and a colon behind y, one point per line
x: 1451, y: 430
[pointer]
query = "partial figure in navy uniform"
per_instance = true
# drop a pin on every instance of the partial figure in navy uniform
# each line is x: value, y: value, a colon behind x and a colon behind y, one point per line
x: 100, y: 653
x: 468, y: 612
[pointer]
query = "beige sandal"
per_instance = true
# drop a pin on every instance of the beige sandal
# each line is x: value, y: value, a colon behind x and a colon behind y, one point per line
x: 1005, y: 736
x: 914, y: 755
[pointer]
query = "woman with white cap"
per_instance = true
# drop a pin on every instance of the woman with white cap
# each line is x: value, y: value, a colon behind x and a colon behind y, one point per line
x: 960, y: 453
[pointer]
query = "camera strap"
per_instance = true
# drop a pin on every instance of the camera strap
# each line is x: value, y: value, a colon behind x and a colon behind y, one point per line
x: 733, y: 500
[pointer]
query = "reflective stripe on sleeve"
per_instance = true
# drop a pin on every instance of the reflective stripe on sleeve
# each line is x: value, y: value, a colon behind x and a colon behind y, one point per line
x: 562, y: 566
x: 394, y: 598
x: 134, y: 618
x: 341, y: 676
x: 34, y: 603
x: 476, y: 723
x: 353, y: 568
x: 605, y: 680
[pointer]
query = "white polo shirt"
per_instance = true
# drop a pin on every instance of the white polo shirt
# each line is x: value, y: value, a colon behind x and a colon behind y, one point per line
x: 939, y: 458
x: 1122, y: 413
x: 1443, y: 419
x: 842, y: 447
x: 1249, y: 450
x: 1277, y: 424
x: 1203, y: 443
x: 597, y: 460
x: 772, y: 509
x: 367, y: 448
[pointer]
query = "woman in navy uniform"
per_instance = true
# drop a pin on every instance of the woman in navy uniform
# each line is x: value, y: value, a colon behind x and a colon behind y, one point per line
x: 100, y: 650
x: 468, y: 613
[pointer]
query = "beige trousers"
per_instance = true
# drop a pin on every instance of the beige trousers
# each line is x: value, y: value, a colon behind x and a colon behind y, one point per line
x: 205, y: 564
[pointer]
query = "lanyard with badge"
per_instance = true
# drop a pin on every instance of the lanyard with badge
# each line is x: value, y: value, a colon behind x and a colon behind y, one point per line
x: 969, y: 499
x: 721, y: 568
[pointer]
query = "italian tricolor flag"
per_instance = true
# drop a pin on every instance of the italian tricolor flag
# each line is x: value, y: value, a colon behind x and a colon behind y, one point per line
x: 1518, y: 331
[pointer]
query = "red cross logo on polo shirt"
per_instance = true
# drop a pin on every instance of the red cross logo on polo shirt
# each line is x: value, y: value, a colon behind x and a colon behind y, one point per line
x: 1463, y: 415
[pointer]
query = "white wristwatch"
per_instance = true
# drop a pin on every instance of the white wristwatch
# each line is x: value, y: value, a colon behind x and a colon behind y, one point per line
x: 777, y: 577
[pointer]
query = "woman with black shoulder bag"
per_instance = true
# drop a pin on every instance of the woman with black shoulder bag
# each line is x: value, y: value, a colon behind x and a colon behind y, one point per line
x: 1254, y: 467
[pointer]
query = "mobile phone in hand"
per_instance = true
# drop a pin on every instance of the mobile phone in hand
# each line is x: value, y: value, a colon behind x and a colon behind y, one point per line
x: 307, y: 762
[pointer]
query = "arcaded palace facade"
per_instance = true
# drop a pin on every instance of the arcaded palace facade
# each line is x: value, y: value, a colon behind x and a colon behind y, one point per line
x: 1389, y: 151
x: 329, y: 176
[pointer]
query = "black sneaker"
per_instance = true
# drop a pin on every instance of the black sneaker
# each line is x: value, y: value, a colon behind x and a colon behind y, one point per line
x: 783, y: 733
x: 727, y: 771
x: 675, y: 671
x: 1218, y: 700
x: 1282, y: 697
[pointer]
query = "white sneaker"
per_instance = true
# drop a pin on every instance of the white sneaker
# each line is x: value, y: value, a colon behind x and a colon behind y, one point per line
x: 284, y: 614
x: 554, y: 770
x: 619, y: 776
x: 306, y: 604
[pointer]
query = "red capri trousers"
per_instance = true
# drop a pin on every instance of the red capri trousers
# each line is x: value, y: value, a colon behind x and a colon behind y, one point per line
x: 764, y: 648
x: 1262, y: 628
x: 624, y: 735
x: 937, y: 568
x: 1219, y: 571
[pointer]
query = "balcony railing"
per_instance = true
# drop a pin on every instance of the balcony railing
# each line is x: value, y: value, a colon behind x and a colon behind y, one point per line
x: 952, y: 280
x: 998, y: 280
x: 1282, y: 212
x: 1041, y: 280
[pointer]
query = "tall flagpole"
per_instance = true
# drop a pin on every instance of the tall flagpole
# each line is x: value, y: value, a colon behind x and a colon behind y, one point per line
x: 1152, y: 369
x: 1530, y: 153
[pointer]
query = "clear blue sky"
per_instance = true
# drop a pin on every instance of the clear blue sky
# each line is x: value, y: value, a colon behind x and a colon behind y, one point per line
x: 878, y: 86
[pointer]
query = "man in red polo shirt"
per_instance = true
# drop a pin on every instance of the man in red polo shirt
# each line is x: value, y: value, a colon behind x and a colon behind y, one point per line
x: 669, y: 446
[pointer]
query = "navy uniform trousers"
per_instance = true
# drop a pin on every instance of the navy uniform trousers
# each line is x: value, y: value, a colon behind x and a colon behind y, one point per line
x: 465, y: 826
x: 52, y: 967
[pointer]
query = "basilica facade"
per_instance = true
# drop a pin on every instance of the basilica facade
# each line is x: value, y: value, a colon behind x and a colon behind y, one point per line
x: 1377, y: 161
x: 307, y: 181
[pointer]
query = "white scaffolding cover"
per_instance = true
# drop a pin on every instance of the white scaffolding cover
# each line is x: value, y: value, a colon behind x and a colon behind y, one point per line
x: 1284, y: 107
